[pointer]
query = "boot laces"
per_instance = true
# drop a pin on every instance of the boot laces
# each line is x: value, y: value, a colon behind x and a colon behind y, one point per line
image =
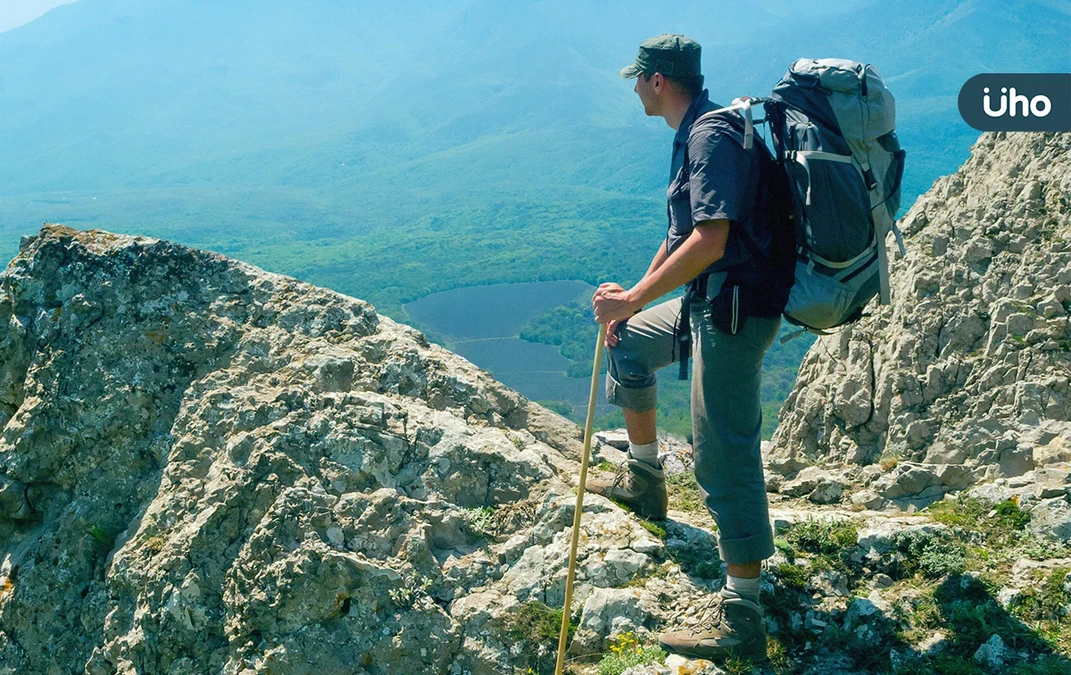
x: 711, y: 614
x: 623, y: 476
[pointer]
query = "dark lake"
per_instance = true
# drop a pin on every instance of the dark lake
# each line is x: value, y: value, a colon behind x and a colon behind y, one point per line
x: 481, y: 323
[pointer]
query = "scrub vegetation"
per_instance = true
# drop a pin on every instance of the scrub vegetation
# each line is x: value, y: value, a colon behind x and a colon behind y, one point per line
x: 942, y: 584
x: 922, y: 605
x: 625, y: 652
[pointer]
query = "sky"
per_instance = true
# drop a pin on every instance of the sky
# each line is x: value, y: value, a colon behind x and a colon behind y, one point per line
x: 14, y: 13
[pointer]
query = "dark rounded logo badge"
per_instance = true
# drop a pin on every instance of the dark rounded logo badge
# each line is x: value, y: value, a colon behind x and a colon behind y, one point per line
x: 1017, y: 102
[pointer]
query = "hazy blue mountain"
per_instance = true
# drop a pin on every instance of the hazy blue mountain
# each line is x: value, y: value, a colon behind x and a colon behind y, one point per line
x: 390, y: 149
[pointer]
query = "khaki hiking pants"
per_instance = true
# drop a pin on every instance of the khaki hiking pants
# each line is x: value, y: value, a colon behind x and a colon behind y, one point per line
x: 726, y: 414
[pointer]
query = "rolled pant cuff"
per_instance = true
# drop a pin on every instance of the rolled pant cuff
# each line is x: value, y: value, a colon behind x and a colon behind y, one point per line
x: 639, y: 399
x: 748, y: 549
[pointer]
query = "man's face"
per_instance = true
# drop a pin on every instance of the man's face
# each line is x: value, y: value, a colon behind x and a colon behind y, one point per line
x: 645, y: 89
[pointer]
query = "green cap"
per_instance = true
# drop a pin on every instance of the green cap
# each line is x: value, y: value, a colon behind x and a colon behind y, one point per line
x: 669, y: 54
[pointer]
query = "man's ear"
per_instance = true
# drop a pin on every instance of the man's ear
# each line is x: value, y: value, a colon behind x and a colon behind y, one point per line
x: 657, y: 82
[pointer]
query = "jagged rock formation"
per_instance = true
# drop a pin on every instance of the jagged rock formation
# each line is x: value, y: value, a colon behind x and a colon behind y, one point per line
x: 967, y: 376
x: 205, y: 467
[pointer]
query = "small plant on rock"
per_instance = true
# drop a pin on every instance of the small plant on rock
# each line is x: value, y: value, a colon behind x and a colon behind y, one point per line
x: 97, y: 533
x: 534, y: 622
x: 1045, y: 599
x: 534, y: 627
x: 684, y: 492
x: 654, y: 528
x: 889, y: 460
x: 625, y: 652
x: 737, y: 665
x: 928, y: 554
x: 826, y: 537
x: 406, y: 596
x: 480, y: 520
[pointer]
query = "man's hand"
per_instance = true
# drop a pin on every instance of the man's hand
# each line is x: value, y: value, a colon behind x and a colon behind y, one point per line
x: 611, y: 302
x: 611, y: 333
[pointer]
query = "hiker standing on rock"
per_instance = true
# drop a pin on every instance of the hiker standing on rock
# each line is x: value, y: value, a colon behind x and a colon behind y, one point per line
x: 717, y: 197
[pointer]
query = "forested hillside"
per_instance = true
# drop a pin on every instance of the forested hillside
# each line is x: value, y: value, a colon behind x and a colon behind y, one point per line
x: 391, y: 151
x: 387, y: 151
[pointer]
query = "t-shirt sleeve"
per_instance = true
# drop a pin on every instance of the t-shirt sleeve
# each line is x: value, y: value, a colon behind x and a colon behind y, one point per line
x: 718, y: 167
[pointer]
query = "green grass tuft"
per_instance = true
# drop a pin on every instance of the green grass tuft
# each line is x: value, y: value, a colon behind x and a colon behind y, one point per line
x: 929, y: 554
x: 625, y: 652
x: 684, y: 492
x: 825, y: 537
x: 533, y: 622
x: 653, y: 528
x: 480, y: 520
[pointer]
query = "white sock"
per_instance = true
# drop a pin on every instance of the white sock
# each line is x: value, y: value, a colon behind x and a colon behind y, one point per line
x: 647, y: 452
x: 741, y: 587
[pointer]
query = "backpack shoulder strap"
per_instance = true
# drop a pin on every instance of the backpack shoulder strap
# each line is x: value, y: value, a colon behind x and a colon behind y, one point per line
x: 743, y: 105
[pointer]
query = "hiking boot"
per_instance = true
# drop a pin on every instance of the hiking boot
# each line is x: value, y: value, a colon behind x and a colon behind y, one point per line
x: 638, y: 486
x: 729, y: 627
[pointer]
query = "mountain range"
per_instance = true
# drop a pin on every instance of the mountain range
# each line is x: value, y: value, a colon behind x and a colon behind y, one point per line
x: 316, y: 138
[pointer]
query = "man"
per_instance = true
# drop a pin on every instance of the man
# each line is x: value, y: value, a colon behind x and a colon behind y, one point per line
x: 719, y: 230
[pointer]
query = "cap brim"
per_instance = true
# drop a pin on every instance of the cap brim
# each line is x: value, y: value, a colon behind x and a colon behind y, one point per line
x: 631, y: 71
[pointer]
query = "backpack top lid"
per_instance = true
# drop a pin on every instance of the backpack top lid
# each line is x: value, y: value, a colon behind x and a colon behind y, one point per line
x: 844, y: 95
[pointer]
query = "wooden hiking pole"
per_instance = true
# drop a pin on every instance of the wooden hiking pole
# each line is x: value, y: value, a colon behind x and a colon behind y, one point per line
x: 563, y: 637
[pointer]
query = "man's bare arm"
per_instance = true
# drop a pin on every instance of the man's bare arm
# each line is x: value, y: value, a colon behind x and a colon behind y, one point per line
x: 703, y: 246
x: 660, y: 257
x: 657, y: 261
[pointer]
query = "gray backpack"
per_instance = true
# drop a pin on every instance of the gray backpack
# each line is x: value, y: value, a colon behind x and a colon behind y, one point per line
x: 836, y: 190
x: 832, y: 123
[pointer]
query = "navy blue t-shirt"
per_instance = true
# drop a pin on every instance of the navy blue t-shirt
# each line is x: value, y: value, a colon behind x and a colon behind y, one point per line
x: 721, y: 181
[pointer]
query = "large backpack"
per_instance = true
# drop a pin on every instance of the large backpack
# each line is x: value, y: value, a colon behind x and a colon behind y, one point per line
x: 833, y: 127
x: 837, y: 183
x: 832, y: 124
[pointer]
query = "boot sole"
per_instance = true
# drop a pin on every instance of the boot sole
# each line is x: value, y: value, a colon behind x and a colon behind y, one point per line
x: 625, y: 505
x: 633, y: 510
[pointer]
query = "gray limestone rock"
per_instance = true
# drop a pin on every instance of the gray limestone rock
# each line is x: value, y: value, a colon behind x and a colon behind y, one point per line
x: 956, y: 476
x: 993, y: 653
x: 866, y: 611
x: 882, y: 580
x: 205, y: 467
x: 607, y: 613
x: 829, y: 583
x: 905, y: 480
x: 934, y: 644
x: 615, y: 438
x: 1051, y: 482
x: 827, y: 493
x: 1051, y: 518
x: 969, y: 364
x: 868, y: 499
x: 813, y: 480
x: 880, y: 538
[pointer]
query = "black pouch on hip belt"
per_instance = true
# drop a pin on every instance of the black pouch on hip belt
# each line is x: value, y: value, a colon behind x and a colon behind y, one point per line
x: 726, y: 313
x: 744, y: 294
x: 727, y: 308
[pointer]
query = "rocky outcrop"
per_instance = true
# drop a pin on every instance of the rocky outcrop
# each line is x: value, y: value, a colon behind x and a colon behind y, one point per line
x: 205, y: 467
x: 965, y: 377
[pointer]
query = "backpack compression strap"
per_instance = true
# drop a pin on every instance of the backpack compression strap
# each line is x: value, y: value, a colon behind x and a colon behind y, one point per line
x: 876, y: 200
